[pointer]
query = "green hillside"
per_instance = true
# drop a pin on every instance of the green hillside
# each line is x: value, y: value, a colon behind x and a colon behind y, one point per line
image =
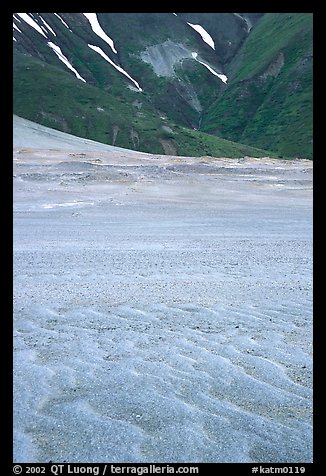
x: 54, y: 98
x: 183, y: 109
x: 269, y: 100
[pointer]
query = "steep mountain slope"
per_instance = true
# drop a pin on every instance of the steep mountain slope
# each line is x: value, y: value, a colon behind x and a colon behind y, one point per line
x: 146, y: 81
x: 269, y: 99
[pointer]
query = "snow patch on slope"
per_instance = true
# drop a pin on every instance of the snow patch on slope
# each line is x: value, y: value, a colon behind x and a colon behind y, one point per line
x: 219, y: 75
x: 121, y: 70
x: 65, y: 60
x: 203, y: 33
x: 164, y: 56
x: 62, y: 21
x: 16, y: 27
x: 48, y: 26
x: 32, y: 23
x: 98, y: 30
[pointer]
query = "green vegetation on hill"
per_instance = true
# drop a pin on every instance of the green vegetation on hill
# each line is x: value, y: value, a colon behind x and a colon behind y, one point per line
x: 269, y: 100
x: 265, y: 106
x: 54, y: 98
